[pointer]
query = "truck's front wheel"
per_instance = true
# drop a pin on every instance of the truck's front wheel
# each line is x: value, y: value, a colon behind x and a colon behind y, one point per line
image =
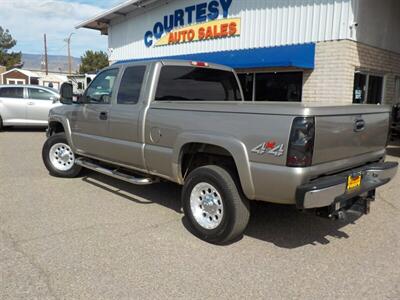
x: 59, y: 158
x: 216, y: 210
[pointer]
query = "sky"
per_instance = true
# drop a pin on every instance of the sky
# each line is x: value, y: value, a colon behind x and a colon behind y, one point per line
x: 28, y: 20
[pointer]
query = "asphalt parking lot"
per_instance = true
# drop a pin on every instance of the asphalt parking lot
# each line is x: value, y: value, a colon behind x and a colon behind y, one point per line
x: 94, y: 237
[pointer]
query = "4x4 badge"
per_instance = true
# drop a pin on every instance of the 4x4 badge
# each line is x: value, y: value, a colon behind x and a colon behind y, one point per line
x: 270, y: 147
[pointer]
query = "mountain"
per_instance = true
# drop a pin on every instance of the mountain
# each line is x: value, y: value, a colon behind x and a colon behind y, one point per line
x: 56, y: 62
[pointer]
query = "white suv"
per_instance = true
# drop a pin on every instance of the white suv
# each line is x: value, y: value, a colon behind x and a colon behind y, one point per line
x: 26, y: 105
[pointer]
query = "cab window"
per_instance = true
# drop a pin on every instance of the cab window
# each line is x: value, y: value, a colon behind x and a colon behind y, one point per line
x: 131, y: 84
x: 101, y: 88
x: 40, y: 94
x: 181, y: 83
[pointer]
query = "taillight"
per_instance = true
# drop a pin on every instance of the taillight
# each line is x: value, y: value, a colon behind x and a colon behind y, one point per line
x: 301, y: 142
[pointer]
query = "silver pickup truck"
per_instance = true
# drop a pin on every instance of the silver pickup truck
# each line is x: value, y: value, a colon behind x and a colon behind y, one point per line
x: 186, y: 122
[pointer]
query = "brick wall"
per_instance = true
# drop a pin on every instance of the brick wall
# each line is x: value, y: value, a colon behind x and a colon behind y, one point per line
x: 379, y: 61
x: 332, y: 80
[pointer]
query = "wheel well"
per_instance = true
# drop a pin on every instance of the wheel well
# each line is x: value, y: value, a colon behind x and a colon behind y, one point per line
x: 196, y: 155
x: 55, y: 127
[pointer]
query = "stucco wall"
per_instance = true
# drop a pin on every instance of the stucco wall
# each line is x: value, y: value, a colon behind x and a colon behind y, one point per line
x: 378, y: 23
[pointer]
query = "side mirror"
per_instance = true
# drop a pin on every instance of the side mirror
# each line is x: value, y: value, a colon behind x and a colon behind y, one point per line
x: 66, y: 93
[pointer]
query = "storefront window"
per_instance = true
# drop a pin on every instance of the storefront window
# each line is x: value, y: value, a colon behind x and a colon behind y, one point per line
x: 285, y: 86
x: 277, y: 86
x: 247, y: 82
x: 375, y: 89
x: 368, y: 89
x: 360, y: 82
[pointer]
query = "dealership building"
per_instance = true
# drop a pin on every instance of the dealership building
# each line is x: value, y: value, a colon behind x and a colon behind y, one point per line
x: 314, y: 51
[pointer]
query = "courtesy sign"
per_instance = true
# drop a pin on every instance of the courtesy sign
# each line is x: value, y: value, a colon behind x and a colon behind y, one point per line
x: 210, y: 30
x: 203, y: 21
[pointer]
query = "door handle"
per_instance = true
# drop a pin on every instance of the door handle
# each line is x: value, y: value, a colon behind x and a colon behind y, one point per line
x: 359, y: 125
x: 103, y: 115
x: 31, y: 103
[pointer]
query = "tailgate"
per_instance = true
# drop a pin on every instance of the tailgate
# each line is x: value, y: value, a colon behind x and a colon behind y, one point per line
x: 344, y: 136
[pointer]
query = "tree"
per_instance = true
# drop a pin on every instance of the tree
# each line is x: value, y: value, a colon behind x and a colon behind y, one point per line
x: 92, y: 61
x: 7, y: 42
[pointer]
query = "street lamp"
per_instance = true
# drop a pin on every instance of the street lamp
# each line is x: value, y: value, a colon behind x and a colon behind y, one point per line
x: 68, y: 41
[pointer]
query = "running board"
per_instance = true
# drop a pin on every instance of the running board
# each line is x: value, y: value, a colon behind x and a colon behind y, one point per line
x: 113, y: 173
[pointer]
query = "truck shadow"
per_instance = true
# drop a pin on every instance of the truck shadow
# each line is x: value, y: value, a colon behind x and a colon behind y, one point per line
x: 286, y: 227
x: 280, y: 225
x: 24, y: 129
x: 163, y: 193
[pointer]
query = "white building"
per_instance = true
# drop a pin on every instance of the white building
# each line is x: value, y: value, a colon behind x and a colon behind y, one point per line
x: 340, y: 51
x: 80, y: 82
x: 52, y: 79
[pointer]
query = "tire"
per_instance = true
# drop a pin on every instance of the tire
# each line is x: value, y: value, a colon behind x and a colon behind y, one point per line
x: 59, y: 158
x: 1, y: 124
x: 219, y: 216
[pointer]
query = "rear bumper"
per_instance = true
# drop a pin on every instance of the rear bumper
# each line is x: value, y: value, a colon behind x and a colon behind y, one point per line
x: 331, y: 189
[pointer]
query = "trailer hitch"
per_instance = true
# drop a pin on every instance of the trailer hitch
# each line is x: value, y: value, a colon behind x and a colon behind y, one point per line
x: 360, y: 205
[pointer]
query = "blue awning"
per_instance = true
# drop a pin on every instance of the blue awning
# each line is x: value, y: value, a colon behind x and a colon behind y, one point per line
x: 297, y: 56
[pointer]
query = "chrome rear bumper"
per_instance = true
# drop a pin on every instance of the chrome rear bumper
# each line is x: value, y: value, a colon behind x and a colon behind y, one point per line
x: 330, y: 189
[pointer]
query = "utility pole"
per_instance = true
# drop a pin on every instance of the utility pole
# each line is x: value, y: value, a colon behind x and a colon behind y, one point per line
x: 46, y: 66
x: 68, y: 40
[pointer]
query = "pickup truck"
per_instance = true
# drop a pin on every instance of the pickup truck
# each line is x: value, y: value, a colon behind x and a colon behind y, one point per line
x: 187, y: 122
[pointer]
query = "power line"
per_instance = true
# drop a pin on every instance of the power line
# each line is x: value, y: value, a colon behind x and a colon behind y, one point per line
x: 45, y: 56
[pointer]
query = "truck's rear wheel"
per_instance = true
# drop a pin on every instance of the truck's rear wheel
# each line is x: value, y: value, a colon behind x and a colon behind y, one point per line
x: 216, y: 210
x: 59, y: 158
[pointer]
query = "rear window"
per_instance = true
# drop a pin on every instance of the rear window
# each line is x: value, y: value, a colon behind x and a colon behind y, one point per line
x: 180, y: 83
x: 12, y: 92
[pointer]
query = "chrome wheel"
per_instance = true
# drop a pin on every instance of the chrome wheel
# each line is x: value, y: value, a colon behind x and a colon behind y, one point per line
x: 206, y: 205
x: 61, y: 157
